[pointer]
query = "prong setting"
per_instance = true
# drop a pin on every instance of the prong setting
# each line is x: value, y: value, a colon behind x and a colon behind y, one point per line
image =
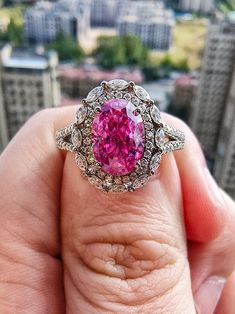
x: 156, y: 133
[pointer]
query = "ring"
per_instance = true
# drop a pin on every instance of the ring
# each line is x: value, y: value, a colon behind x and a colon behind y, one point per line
x: 119, y: 137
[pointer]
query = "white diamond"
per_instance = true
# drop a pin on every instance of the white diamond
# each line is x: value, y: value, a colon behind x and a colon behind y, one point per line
x: 87, y: 141
x: 140, y: 182
x: 109, y: 179
x: 155, y: 114
x: 118, y: 180
x: 147, y: 154
x: 135, y: 101
x: 101, y: 174
x: 95, y: 93
x: 127, y: 96
x: 118, y: 84
x: 95, y: 181
x: 141, y: 93
x: 148, y: 126
x: 159, y: 137
x: 92, y: 169
x: 81, y: 114
x: 76, y: 138
x: 155, y: 162
x: 81, y: 161
x: 118, y: 188
x: 119, y: 95
x: 126, y: 179
x: 103, y: 99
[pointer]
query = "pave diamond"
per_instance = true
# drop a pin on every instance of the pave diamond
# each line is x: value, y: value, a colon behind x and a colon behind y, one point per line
x: 81, y: 161
x: 141, y: 93
x: 76, y: 138
x: 95, y: 181
x: 155, y: 162
x: 95, y: 93
x: 141, y: 181
x: 117, y: 84
x: 155, y: 114
x: 159, y: 137
x: 118, y: 188
x: 118, y: 137
x: 81, y: 114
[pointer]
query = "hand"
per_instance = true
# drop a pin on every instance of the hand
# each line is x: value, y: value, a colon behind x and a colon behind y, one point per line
x: 66, y: 247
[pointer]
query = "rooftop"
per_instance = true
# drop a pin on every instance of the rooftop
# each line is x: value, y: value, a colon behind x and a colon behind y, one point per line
x: 95, y: 74
x: 24, y: 58
x: 186, y: 81
x: 153, y: 12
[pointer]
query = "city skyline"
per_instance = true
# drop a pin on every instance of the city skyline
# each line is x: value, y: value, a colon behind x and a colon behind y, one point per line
x: 205, y: 98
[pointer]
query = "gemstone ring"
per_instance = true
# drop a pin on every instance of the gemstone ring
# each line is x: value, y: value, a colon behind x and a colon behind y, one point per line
x: 119, y: 137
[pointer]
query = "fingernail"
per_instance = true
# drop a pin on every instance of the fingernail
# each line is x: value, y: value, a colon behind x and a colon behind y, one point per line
x: 209, y: 294
x: 213, y: 188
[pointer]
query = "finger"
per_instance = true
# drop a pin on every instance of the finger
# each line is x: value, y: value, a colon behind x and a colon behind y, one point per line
x: 226, y: 302
x: 125, y: 253
x: 211, y: 263
x: 204, y: 206
x: 30, y: 173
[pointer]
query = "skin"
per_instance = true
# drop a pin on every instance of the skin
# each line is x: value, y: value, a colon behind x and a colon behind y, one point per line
x: 66, y: 247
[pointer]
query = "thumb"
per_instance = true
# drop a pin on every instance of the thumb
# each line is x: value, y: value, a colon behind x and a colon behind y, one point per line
x: 125, y: 253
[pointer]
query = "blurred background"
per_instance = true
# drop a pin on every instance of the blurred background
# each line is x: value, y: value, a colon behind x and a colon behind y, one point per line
x: 52, y: 53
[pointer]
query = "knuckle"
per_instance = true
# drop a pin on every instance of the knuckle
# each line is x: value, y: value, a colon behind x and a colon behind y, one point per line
x: 127, y: 251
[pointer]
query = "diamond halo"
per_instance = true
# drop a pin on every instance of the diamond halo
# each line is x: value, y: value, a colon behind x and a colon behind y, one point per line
x: 159, y: 137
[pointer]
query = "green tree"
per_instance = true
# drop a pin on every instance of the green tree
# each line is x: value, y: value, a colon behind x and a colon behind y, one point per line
x: 169, y: 64
x: 136, y: 53
x: 13, y: 34
x: 67, y: 48
x: 112, y: 51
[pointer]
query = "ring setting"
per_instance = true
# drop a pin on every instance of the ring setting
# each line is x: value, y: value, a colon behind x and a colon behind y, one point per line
x: 119, y: 137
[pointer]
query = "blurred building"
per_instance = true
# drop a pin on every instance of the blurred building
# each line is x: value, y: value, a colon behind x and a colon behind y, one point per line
x: 45, y: 20
x: 151, y: 21
x: 106, y: 13
x: 4, y: 138
x: 197, y: 6
x: 224, y: 169
x: 185, y: 87
x: 184, y: 91
x: 78, y: 82
x: 29, y: 83
x: 210, y: 101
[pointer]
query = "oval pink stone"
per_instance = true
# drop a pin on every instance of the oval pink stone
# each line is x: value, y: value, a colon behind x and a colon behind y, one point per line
x: 118, y: 137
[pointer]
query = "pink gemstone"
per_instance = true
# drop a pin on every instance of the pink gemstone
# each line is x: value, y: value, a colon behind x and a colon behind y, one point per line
x: 118, y: 137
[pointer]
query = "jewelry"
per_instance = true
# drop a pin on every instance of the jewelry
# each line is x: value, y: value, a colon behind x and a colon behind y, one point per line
x: 119, y: 137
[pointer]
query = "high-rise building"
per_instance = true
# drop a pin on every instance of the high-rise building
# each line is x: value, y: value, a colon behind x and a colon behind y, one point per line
x: 3, y: 123
x: 184, y: 91
x: 107, y: 13
x: 214, y: 84
x: 199, y: 6
x: 45, y: 20
x: 151, y: 21
x: 29, y: 83
x: 224, y: 169
x: 185, y: 87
